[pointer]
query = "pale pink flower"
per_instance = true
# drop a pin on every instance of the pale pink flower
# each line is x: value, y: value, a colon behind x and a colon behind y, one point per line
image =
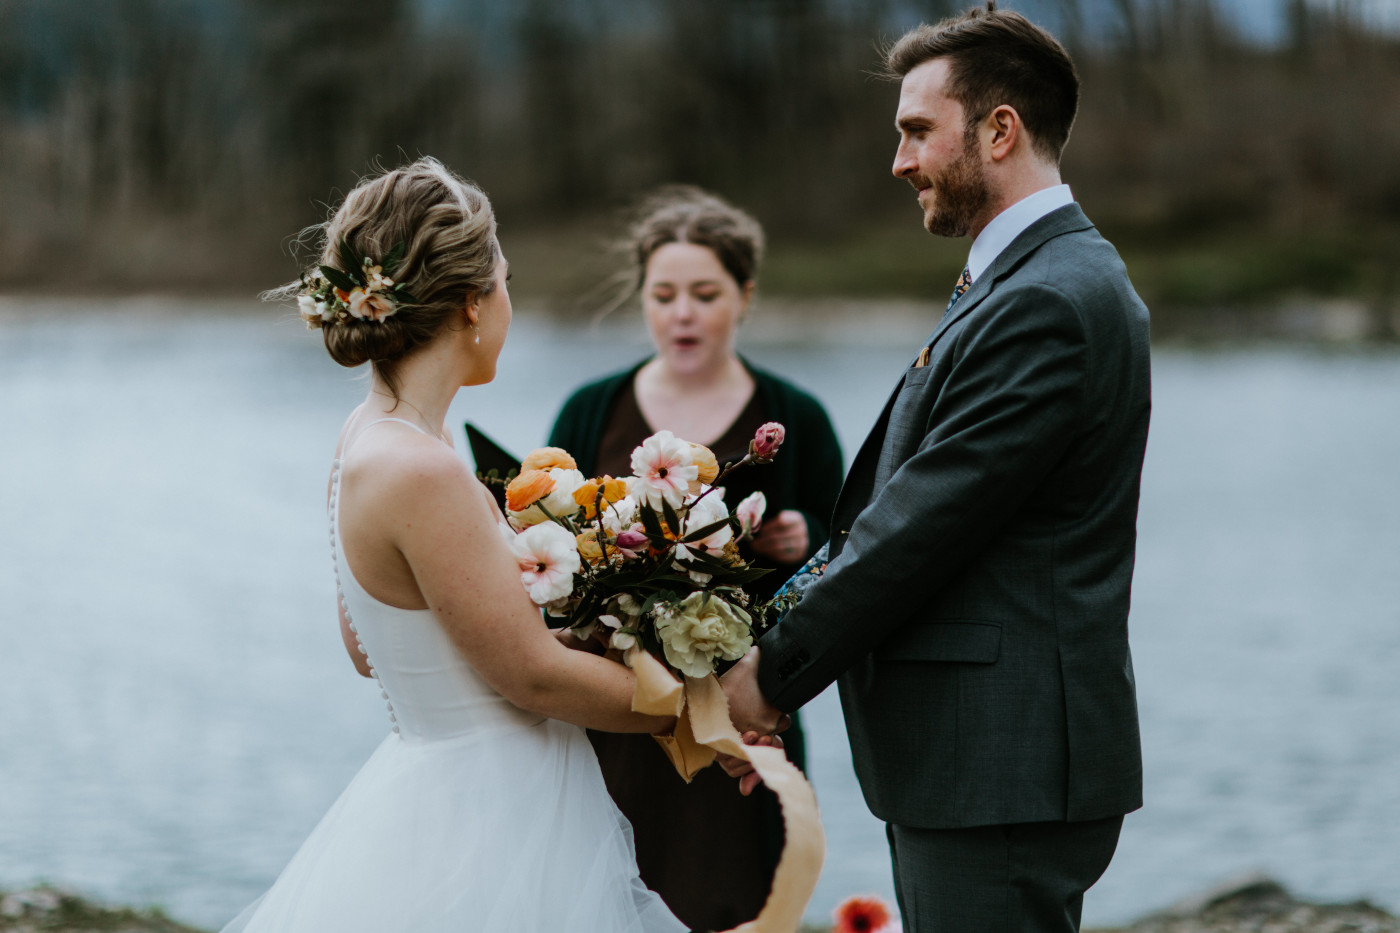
x: 766, y: 441
x: 749, y: 512
x: 548, y: 558
x: 663, y: 469
x: 370, y: 305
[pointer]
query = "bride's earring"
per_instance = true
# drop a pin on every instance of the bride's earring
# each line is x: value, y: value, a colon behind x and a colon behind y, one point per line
x: 478, y: 334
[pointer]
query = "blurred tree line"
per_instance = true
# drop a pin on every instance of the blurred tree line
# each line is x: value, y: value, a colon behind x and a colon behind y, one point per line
x: 178, y: 143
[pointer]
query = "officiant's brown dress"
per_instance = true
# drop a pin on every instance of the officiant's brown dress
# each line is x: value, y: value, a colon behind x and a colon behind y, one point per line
x: 708, y: 851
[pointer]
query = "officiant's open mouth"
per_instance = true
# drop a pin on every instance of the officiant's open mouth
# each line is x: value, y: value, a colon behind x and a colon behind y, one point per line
x: 686, y: 343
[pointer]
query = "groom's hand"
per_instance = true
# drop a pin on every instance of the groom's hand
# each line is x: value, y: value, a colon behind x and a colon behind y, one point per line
x: 749, y: 709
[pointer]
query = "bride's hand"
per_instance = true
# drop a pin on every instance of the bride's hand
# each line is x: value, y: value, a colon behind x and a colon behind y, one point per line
x: 741, y: 769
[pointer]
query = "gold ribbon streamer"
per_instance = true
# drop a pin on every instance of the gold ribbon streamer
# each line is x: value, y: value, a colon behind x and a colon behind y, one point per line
x: 702, y: 730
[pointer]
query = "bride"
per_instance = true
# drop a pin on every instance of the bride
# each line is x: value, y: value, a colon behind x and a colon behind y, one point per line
x: 484, y: 808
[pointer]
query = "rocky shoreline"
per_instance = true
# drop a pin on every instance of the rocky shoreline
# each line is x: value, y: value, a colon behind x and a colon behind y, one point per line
x: 1252, y: 905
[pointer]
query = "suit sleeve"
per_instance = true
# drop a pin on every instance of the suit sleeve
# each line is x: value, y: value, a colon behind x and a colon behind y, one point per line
x: 1006, y: 411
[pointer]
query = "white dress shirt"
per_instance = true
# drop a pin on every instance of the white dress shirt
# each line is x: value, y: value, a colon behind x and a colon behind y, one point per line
x: 1009, y: 224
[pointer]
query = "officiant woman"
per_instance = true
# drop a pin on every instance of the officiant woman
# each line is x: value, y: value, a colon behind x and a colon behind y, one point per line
x: 707, y: 850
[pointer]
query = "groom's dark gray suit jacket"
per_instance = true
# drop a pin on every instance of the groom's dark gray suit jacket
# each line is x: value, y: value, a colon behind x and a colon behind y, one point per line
x: 975, y: 610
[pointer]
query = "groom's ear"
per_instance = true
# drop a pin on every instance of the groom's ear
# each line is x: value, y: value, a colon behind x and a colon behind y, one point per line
x: 1001, y: 130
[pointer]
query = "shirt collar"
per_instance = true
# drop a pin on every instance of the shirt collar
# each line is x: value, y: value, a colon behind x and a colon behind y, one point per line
x: 1009, y: 224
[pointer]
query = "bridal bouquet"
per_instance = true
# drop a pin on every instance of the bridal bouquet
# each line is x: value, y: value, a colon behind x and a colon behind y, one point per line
x: 649, y: 564
x: 644, y: 562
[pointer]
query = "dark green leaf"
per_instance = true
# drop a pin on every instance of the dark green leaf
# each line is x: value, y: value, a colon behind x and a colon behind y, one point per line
x: 390, y: 262
x: 339, y: 279
x: 351, y: 263
x: 705, y: 532
x: 707, y: 562
x: 745, y: 577
x: 667, y: 578
x: 652, y: 526
x: 673, y: 520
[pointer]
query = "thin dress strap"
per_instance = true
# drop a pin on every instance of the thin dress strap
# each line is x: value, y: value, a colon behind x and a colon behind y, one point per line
x: 345, y: 448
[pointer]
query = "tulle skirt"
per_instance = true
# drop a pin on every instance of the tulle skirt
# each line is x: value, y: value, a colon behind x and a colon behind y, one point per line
x: 511, y: 830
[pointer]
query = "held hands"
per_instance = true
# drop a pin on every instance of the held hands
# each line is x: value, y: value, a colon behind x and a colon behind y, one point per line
x: 758, y: 720
x: 738, y: 768
x: 783, y: 538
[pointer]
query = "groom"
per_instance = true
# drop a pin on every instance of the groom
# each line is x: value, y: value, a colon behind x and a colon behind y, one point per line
x: 975, y: 608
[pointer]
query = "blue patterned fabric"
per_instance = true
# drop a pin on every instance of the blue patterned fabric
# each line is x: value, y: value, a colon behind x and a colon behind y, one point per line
x: 964, y: 283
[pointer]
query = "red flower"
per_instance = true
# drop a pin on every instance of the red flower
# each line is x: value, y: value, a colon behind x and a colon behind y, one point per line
x: 861, y: 915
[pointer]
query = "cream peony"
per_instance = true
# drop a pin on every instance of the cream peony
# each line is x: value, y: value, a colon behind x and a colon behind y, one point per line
x: 663, y: 471
x: 700, y: 630
x: 707, y: 509
x: 548, y: 558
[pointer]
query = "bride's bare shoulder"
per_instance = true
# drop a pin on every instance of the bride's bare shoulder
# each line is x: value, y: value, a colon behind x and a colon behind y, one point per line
x: 405, y: 467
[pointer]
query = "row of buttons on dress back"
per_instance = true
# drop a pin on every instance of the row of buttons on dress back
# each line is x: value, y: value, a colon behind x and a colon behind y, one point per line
x: 340, y: 596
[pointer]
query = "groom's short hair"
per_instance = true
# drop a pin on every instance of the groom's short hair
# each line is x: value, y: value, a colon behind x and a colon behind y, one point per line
x: 998, y: 57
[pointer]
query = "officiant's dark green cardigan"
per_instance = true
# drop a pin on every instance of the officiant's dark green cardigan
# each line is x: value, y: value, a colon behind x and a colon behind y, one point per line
x: 704, y: 891
x: 808, y: 468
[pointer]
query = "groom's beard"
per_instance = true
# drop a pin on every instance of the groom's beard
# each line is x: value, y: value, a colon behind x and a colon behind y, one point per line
x: 959, y: 194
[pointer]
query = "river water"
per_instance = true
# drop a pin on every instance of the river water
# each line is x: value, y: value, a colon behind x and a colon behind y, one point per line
x: 176, y: 710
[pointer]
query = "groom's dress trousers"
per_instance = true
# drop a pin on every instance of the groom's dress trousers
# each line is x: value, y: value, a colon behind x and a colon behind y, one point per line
x: 975, y: 608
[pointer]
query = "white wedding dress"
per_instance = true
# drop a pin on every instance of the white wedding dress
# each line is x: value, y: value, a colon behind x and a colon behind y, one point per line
x: 473, y: 816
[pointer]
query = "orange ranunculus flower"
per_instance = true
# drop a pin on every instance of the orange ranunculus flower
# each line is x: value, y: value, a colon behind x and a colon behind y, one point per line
x: 704, y: 460
x: 548, y: 458
x: 588, y: 547
x: 528, y: 488
x: 587, y: 494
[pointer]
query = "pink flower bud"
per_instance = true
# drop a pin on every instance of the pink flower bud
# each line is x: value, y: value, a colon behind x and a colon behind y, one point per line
x: 766, y: 441
x: 631, y: 540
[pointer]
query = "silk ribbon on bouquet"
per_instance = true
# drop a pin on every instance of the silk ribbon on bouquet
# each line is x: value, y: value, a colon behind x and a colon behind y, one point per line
x: 702, y: 731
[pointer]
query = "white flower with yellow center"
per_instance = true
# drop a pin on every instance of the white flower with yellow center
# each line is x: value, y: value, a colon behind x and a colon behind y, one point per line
x: 548, y: 558
x: 663, y: 469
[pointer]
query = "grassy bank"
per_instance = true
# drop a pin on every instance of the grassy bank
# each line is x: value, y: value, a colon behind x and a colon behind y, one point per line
x: 1247, y: 906
x: 1224, y: 283
x: 1218, y: 282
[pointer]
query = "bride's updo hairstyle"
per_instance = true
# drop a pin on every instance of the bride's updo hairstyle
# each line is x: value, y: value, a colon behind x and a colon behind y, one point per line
x: 448, y: 235
x: 686, y: 214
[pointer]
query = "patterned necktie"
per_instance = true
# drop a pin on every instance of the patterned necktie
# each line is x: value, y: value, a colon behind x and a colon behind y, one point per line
x: 964, y: 283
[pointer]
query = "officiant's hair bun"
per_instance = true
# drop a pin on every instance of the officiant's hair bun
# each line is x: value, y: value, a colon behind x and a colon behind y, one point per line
x: 450, y: 255
x: 686, y: 214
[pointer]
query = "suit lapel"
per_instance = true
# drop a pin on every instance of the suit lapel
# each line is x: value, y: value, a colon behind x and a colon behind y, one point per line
x: 855, y: 490
x: 1062, y: 220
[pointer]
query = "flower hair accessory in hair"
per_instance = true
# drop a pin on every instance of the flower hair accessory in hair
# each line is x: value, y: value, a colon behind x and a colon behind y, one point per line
x: 363, y: 289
